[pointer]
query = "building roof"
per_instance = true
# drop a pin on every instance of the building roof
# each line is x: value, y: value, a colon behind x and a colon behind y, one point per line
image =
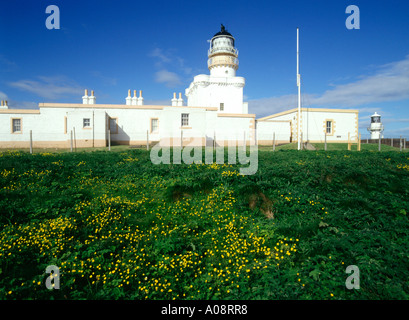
x: 223, y: 32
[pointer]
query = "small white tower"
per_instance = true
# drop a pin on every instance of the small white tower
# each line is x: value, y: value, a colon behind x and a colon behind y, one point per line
x: 376, y: 127
x: 223, y: 61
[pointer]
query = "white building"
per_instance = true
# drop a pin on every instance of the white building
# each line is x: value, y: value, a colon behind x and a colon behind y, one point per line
x: 215, y: 111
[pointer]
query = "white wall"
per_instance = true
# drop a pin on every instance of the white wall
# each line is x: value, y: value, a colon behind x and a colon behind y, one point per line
x: 209, y: 91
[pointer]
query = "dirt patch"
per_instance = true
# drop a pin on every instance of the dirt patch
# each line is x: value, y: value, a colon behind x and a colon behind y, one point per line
x: 262, y: 202
x: 178, y: 195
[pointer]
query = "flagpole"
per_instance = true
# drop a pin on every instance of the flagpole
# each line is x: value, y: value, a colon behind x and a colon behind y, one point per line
x: 299, y: 92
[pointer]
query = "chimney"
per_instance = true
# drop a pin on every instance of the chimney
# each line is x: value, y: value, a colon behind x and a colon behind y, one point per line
x: 92, y: 99
x: 134, y: 99
x: 85, y: 97
x: 174, y: 100
x: 140, y: 99
x: 180, y: 100
x: 128, y: 98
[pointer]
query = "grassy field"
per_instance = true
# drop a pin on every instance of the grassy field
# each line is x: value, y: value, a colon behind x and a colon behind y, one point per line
x: 119, y: 227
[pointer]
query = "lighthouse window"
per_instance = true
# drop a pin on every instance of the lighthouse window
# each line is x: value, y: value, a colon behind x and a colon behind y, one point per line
x: 154, y: 125
x: 329, y: 127
x: 16, y: 126
x: 185, y: 119
x: 222, y: 106
x: 113, y: 125
x: 376, y: 119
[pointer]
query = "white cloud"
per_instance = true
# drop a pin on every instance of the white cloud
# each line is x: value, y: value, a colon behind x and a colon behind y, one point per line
x: 49, y: 87
x: 158, y: 53
x: 3, y: 96
x: 177, y: 64
x: 170, y: 79
x: 266, y: 106
x: 389, y: 83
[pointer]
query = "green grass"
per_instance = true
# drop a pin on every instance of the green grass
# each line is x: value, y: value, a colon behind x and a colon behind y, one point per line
x: 364, y: 147
x: 119, y: 227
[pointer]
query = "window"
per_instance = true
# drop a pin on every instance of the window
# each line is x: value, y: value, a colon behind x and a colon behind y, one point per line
x: 185, y: 119
x: 154, y: 125
x: 86, y: 122
x: 222, y: 106
x: 329, y: 127
x: 113, y: 125
x: 16, y: 126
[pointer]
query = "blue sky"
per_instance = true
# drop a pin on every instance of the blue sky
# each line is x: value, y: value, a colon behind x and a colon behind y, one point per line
x: 158, y: 47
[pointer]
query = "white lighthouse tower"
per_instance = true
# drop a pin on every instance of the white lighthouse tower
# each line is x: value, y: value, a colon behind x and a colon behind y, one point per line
x: 221, y: 89
x: 376, y: 127
x: 223, y: 61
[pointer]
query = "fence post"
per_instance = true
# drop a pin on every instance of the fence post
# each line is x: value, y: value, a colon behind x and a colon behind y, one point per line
x: 349, y: 142
x: 31, y: 141
x: 391, y: 142
x: 325, y: 141
x: 71, y: 140
x: 109, y: 139
x: 75, y: 141
x: 214, y: 140
x: 147, y: 140
x: 400, y: 143
x: 359, y: 142
x: 379, y: 143
x: 301, y: 146
x: 404, y: 143
x: 274, y: 141
x: 367, y: 140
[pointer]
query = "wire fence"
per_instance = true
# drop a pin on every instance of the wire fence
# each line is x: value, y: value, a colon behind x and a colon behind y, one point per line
x: 74, y: 139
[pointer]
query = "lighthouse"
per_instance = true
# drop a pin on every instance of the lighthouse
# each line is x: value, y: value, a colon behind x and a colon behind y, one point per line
x: 376, y: 127
x: 222, y: 89
x: 223, y: 61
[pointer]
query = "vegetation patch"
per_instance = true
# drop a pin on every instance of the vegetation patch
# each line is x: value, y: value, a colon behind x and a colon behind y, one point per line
x: 119, y: 227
